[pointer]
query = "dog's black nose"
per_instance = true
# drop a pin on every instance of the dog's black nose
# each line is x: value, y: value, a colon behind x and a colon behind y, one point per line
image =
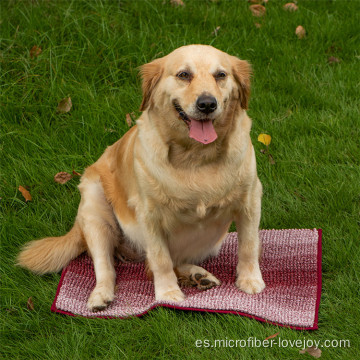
x: 206, y: 104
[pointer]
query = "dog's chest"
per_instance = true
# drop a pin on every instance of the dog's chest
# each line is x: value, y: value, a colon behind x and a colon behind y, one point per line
x: 196, y: 240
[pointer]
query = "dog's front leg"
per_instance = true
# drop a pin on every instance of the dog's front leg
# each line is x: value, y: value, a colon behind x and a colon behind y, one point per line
x: 100, y: 231
x: 247, y: 220
x: 161, y: 265
x: 162, y: 268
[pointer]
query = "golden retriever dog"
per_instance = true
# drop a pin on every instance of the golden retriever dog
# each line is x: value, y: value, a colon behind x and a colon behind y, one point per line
x: 169, y: 189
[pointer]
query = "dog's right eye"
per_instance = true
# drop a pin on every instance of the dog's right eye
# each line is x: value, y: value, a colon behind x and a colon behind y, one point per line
x: 184, y: 75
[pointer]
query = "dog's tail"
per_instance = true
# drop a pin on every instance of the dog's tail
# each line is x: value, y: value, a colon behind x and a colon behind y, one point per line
x: 52, y: 254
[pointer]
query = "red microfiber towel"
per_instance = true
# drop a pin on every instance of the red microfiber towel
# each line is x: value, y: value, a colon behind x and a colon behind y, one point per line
x: 291, y: 268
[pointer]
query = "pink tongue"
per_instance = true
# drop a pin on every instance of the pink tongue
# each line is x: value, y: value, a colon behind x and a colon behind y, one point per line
x: 202, y: 131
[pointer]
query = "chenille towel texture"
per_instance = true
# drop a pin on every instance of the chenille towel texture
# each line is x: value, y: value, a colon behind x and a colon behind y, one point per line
x: 291, y: 268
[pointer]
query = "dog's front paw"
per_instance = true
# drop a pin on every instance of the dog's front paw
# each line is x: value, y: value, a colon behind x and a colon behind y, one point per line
x: 172, y: 295
x: 100, y: 298
x: 250, y: 285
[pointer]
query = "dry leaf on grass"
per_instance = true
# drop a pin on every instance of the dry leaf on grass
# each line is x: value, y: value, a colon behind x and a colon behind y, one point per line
x: 177, y: 2
x: 64, y: 105
x: 271, y: 159
x: 30, y: 304
x: 215, y: 32
x: 300, y: 32
x: 258, y: 25
x: 299, y: 195
x: 76, y: 173
x: 258, y: 1
x: 333, y: 60
x: 62, y: 177
x: 313, y: 351
x: 35, y: 51
x: 257, y: 10
x: 128, y: 119
x: 272, y: 336
x: 265, y: 139
x: 290, y: 7
x: 333, y: 49
x: 25, y: 193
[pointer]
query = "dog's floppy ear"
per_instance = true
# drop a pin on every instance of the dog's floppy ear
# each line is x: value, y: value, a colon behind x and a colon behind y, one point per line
x: 150, y: 74
x: 242, y: 72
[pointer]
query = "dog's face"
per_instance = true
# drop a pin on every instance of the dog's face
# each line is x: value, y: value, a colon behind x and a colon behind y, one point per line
x: 193, y: 89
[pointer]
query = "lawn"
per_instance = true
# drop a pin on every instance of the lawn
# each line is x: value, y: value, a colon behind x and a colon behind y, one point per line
x: 90, y: 51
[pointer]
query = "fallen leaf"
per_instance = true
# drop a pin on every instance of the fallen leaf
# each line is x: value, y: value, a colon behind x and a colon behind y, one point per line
x: 177, y: 2
x: 257, y: 10
x: 215, y: 32
x: 75, y: 173
x: 128, y: 119
x: 30, y: 304
x: 11, y: 311
x: 300, y: 32
x: 25, y: 193
x: 271, y: 159
x: 300, y: 196
x: 333, y: 60
x: 333, y: 49
x: 62, y: 177
x: 64, y: 105
x: 258, y: 25
x: 35, y: 51
x: 265, y: 139
x: 272, y: 336
x: 313, y: 351
x: 290, y: 7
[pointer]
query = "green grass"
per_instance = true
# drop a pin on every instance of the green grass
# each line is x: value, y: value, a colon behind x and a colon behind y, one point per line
x: 91, y: 51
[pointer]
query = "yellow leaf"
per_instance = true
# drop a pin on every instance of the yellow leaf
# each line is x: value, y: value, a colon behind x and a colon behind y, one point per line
x: 265, y: 139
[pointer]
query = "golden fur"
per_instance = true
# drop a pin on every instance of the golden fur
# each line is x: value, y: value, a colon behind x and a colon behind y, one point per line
x: 161, y: 194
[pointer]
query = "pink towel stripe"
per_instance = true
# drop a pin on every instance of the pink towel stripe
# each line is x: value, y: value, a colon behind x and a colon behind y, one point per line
x: 291, y: 267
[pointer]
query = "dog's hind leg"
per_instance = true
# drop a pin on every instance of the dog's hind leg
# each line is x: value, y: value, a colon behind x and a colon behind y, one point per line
x: 101, y: 233
x: 192, y: 275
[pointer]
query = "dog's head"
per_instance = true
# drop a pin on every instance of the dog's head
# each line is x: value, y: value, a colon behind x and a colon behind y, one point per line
x: 193, y: 89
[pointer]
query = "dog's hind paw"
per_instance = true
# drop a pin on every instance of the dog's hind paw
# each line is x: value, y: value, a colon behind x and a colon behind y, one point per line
x: 201, y: 281
x: 192, y: 275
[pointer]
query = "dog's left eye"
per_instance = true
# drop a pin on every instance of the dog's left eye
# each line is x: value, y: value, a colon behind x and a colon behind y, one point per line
x: 183, y: 75
x: 220, y: 75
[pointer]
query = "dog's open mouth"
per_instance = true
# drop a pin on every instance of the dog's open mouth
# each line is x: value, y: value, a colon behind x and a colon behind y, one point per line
x: 199, y: 130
